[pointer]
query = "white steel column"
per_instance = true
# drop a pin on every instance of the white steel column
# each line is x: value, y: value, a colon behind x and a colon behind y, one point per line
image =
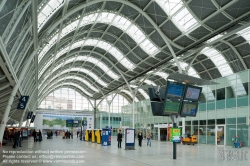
x: 109, y: 103
x: 133, y: 119
x: 12, y: 95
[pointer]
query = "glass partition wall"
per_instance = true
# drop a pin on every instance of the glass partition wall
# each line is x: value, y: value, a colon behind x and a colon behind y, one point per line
x: 223, y: 113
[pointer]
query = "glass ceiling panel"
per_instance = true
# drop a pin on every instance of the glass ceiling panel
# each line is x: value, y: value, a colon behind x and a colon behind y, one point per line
x: 101, y: 44
x: 149, y: 82
x: 81, y: 80
x: 222, y: 65
x: 144, y: 94
x: 79, y: 69
x: 161, y: 74
x: 48, y: 10
x: 128, y: 93
x: 90, y: 59
x: 75, y: 85
x: 218, y: 60
x: 180, y: 15
x: 245, y: 33
x: 76, y: 78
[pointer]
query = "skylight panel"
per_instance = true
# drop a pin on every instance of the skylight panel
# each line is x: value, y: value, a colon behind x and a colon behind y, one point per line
x: 77, y: 86
x: 95, y: 61
x: 223, y: 67
x: 214, y: 38
x: 245, y: 33
x: 128, y: 93
x: 149, y: 82
x: 144, y: 94
x: 118, y: 21
x: 52, y: 41
x: 181, y: 17
x: 161, y: 74
x: 83, y: 81
x: 219, y: 61
x: 91, y: 74
x: 48, y: 11
x: 45, y: 67
x: 101, y: 44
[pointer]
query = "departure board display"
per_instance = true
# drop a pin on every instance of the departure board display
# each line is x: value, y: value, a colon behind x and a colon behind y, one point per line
x: 171, y: 107
x: 189, y: 109
x: 192, y: 93
x: 175, y: 90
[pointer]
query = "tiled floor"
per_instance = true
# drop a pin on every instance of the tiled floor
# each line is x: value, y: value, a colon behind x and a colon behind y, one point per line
x: 92, y: 154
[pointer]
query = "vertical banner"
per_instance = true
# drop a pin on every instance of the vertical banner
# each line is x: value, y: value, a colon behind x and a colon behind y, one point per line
x: 33, y: 118
x: 22, y: 102
x: 130, y: 139
x: 29, y: 115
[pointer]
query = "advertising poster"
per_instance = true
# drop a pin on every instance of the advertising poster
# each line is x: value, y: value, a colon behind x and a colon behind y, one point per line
x: 176, y: 134
x: 130, y: 136
x: 58, y: 121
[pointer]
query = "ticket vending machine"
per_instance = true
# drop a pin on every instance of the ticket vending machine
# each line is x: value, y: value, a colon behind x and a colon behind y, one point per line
x: 106, y: 137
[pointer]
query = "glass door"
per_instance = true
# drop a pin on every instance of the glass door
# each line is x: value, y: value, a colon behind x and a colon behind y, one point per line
x: 220, y: 135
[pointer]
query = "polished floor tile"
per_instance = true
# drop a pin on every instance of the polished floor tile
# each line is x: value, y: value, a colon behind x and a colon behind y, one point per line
x: 51, y: 152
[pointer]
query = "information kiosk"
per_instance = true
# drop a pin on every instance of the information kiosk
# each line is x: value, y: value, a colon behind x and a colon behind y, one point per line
x: 106, y: 137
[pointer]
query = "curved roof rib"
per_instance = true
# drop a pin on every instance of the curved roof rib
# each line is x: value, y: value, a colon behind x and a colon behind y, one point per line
x: 90, y: 59
x: 97, y: 43
x: 45, y: 11
x: 130, y: 95
x: 86, y: 71
x: 114, y: 19
x: 73, y: 77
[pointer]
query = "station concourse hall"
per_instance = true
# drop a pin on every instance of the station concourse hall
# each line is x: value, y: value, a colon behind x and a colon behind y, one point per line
x: 171, y: 78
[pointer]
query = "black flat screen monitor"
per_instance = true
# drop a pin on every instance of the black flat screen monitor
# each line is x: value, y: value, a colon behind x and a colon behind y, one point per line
x: 192, y: 93
x: 189, y: 109
x: 69, y: 123
x: 172, y: 107
x: 175, y: 90
x: 154, y: 97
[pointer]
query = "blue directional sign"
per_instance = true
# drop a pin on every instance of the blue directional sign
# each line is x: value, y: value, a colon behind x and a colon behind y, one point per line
x: 29, y: 116
x: 33, y: 118
x: 22, y: 102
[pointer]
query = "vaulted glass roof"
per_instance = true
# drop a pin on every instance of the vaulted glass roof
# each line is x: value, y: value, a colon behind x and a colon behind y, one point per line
x: 95, y: 61
x: 97, y: 43
x: 145, y: 95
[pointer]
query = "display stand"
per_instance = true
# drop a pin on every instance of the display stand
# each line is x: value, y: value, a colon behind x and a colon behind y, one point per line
x: 174, y: 119
x: 130, y: 139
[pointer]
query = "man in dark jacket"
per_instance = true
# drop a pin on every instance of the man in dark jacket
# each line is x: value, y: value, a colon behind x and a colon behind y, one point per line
x: 119, y: 138
x: 34, y: 135
x: 15, y: 138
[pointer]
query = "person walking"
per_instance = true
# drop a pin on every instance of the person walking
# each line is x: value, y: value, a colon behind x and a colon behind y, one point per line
x: 149, y: 135
x: 140, y: 137
x: 15, y: 139
x: 119, y: 139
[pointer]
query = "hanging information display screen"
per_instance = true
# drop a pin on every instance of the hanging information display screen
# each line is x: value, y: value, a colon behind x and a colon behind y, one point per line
x: 192, y: 93
x: 189, y: 109
x: 171, y: 107
x: 175, y: 90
